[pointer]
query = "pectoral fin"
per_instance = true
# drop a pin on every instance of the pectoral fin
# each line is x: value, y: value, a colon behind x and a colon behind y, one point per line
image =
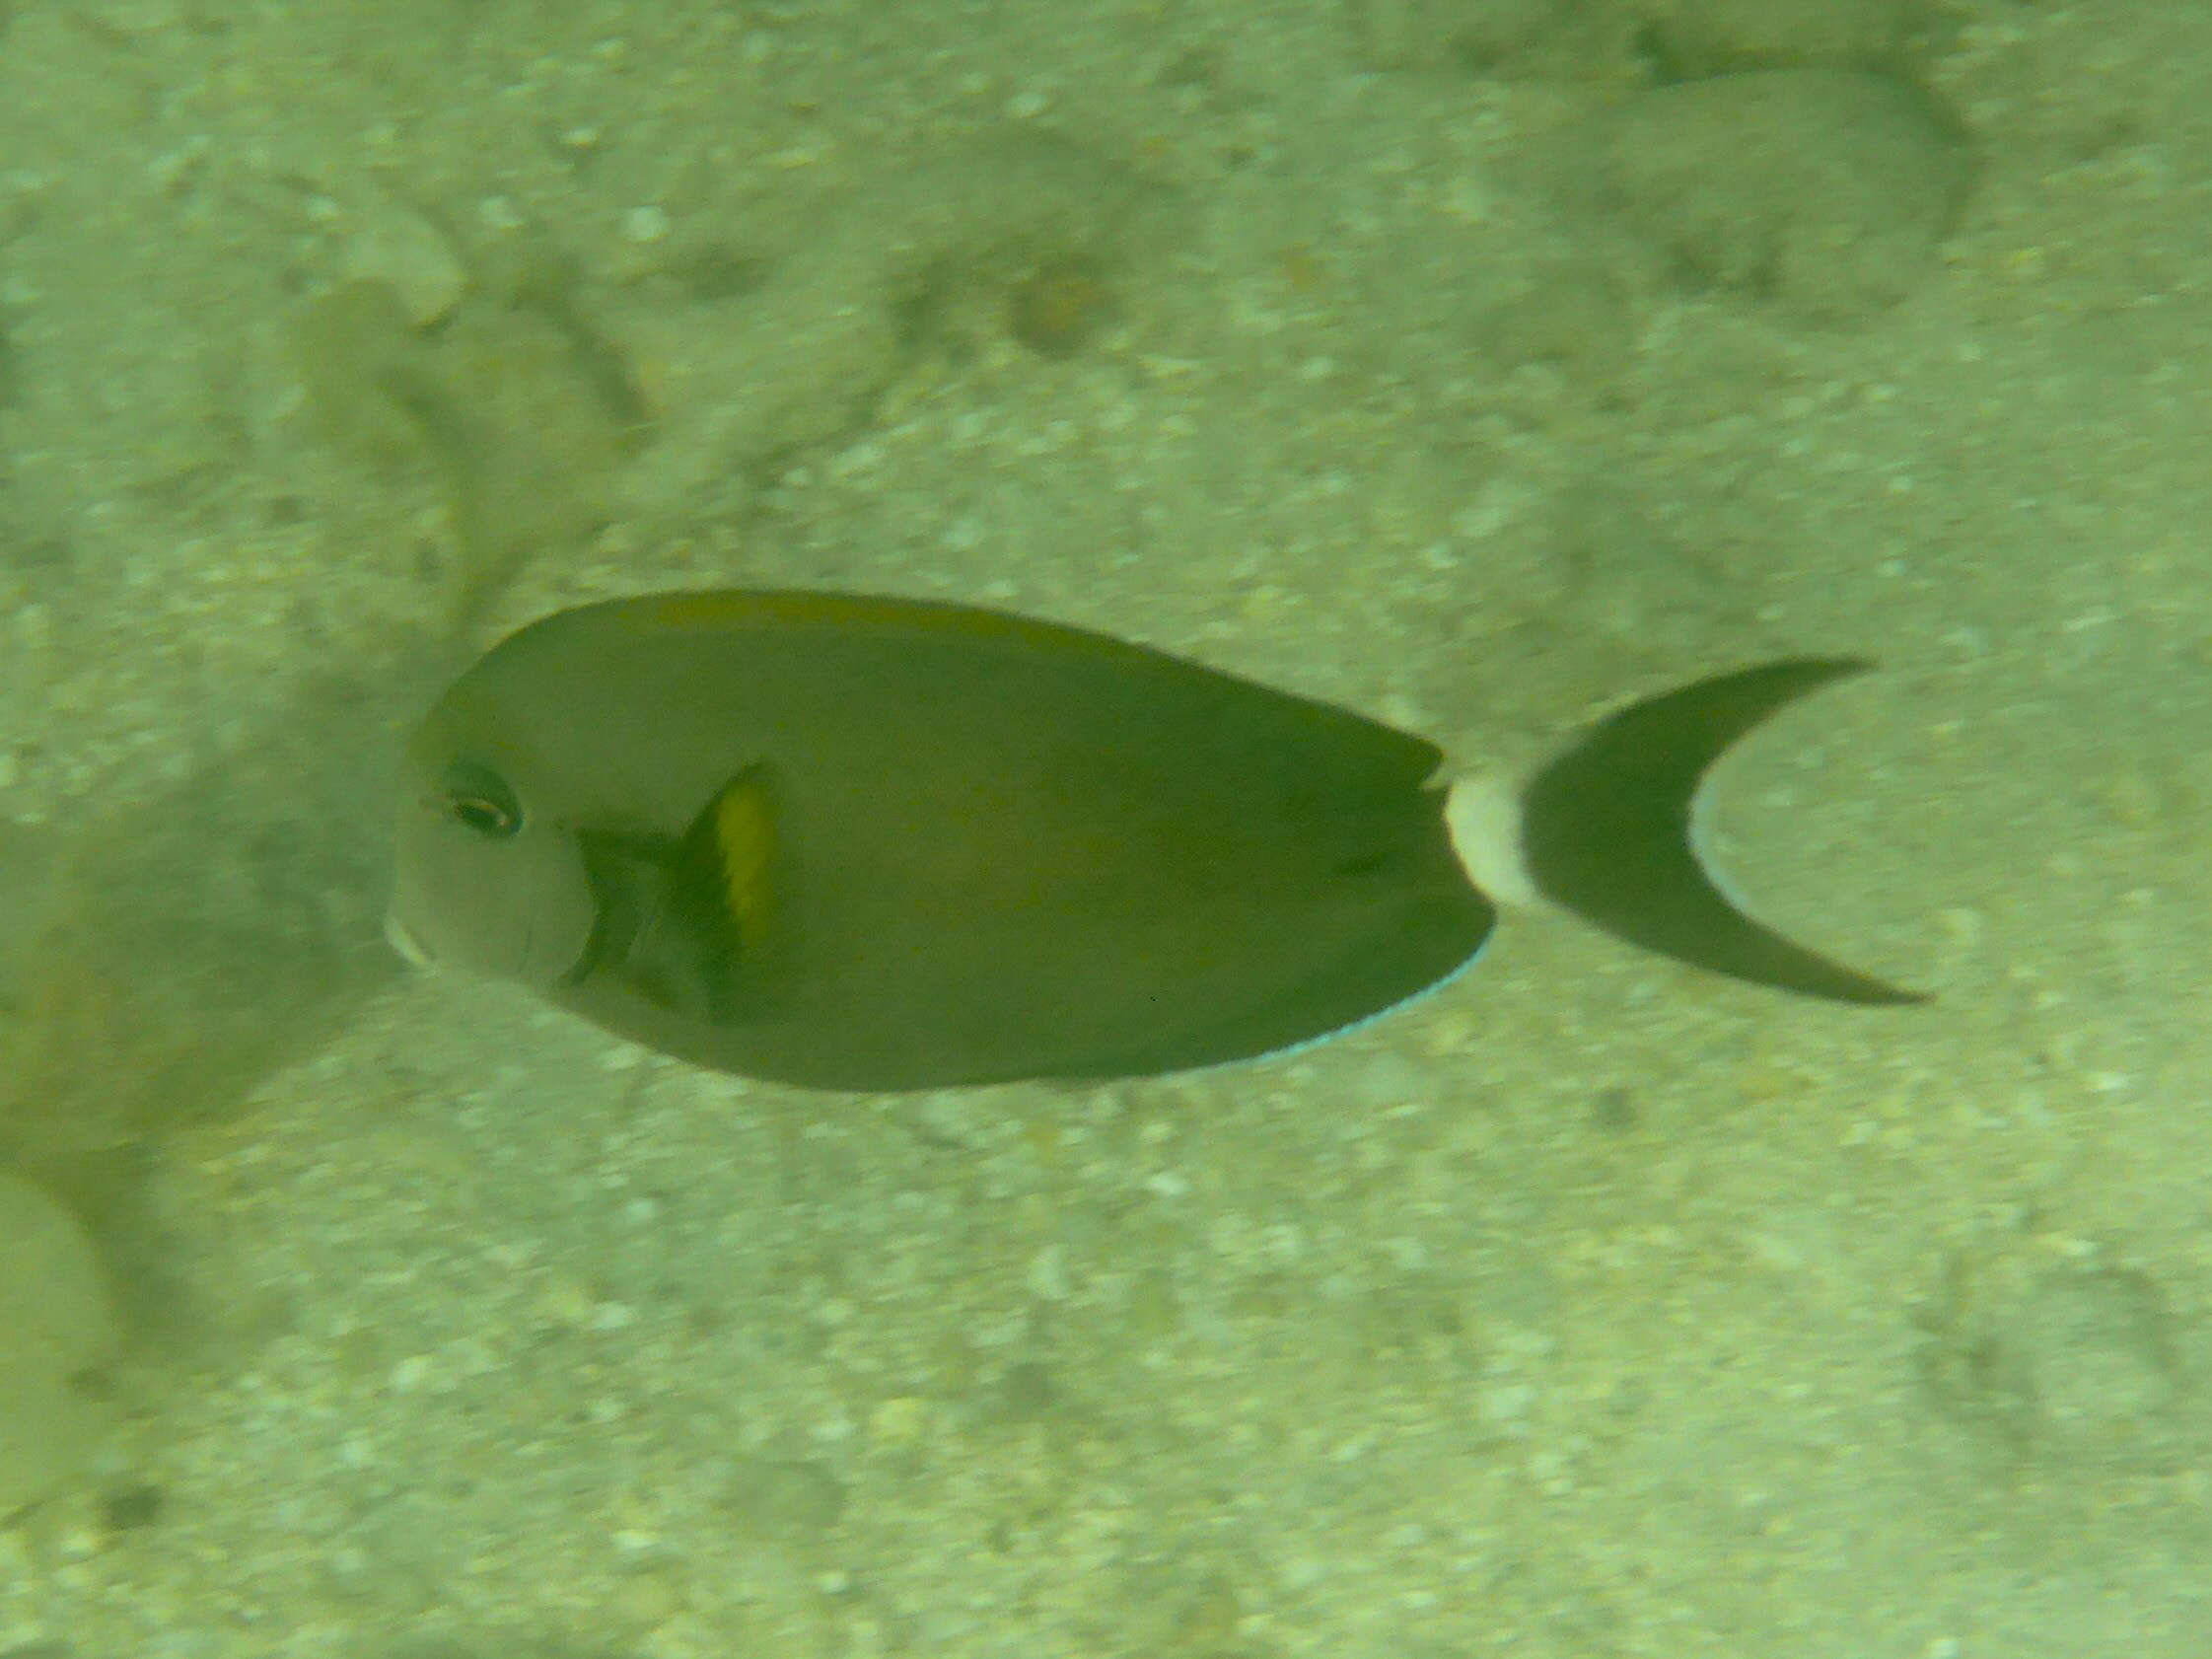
x: 691, y: 925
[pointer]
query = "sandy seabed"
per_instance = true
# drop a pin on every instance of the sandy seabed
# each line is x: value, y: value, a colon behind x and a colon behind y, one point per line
x: 1473, y: 365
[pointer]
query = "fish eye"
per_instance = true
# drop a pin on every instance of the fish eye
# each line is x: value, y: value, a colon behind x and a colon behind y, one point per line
x: 479, y: 799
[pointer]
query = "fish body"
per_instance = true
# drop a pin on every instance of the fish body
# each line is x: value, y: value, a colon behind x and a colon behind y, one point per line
x: 872, y: 844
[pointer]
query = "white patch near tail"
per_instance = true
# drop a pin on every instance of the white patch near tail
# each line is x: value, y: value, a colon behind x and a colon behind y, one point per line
x: 1483, y: 817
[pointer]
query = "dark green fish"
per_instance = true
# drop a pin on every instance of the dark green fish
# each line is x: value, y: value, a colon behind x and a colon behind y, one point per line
x: 856, y: 843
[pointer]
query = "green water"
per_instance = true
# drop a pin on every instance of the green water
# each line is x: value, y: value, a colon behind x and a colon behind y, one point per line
x: 1475, y: 365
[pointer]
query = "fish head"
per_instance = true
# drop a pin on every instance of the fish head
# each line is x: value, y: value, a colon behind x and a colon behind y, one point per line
x: 489, y: 876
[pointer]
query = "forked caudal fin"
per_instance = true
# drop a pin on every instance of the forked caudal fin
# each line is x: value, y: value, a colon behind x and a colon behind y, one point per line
x: 1605, y: 831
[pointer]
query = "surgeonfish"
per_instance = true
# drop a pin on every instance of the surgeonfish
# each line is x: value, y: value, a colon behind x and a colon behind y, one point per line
x: 871, y: 843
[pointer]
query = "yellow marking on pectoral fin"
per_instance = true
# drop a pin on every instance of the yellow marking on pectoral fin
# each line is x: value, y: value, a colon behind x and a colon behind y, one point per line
x: 747, y: 853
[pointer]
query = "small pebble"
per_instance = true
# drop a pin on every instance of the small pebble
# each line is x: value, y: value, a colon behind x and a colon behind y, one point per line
x: 645, y: 224
x: 400, y: 247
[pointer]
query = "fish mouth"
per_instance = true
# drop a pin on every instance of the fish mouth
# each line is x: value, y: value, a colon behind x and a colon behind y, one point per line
x: 407, y: 944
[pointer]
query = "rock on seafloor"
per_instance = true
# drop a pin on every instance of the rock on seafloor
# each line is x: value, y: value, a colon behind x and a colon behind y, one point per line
x: 1824, y: 191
